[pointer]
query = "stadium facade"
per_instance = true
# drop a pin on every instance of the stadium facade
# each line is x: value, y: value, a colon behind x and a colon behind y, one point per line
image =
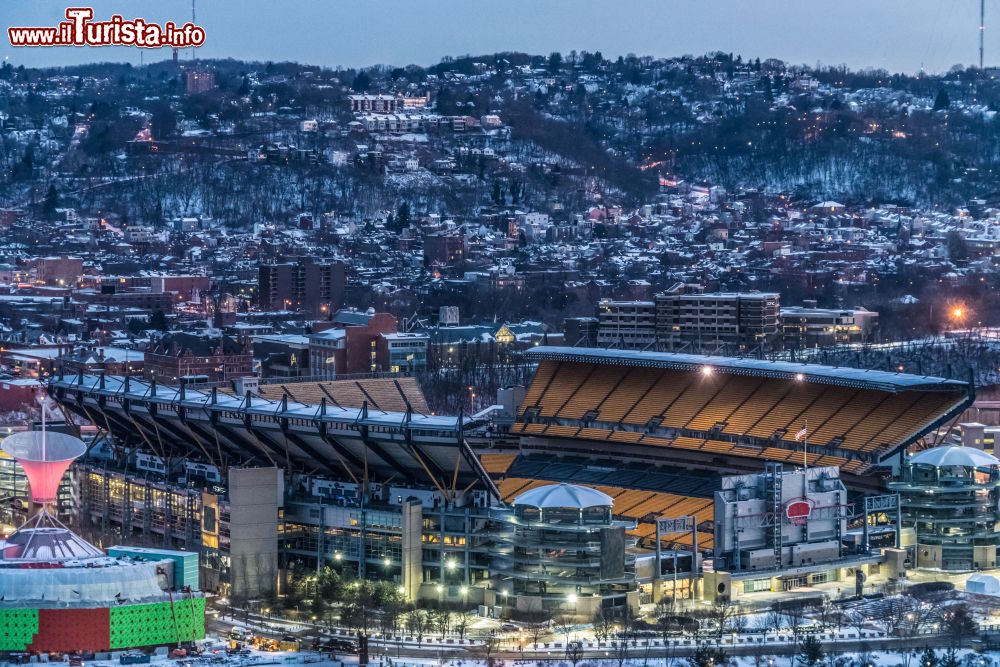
x: 359, y: 475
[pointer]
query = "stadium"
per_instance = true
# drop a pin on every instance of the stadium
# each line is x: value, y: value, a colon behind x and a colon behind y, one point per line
x: 61, y: 594
x: 656, y: 433
x: 659, y: 431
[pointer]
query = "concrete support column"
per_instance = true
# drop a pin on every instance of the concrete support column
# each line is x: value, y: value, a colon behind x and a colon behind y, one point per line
x: 255, y: 495
x: 413, y: 549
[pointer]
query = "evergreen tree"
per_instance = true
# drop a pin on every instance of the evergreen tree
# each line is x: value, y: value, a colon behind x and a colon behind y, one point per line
x: 957, y: 248
x: 50, y: 203
x: 707, y: 656
x: 929, y: 658
x: 403, y: 216
x: 25, y: 169
x: 362, y: 82
x: 942, y: 101
x: 950, y: 659
x: 163, y: 121
x: 158, y: 321
x: 810, y: 652
x: 555, y: 62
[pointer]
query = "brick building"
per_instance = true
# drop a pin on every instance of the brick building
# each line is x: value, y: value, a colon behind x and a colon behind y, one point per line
x: 312, y: 286
x: 197, y: 358
x: 59, y: 270
x: 444, y: 249
x: 18, y: 393
x: 354, y: 342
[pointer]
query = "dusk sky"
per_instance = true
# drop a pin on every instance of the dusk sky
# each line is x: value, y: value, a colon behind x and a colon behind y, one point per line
x: 900, y: 35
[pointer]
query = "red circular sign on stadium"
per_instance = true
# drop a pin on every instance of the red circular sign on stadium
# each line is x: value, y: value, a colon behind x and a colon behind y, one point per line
x: 798, y: 510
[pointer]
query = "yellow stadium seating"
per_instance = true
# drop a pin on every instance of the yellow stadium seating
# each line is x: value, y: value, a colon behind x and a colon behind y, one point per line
x: 851, y: 419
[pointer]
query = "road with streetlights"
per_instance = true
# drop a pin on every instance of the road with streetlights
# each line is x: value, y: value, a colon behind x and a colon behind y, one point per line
x: 513, y: 645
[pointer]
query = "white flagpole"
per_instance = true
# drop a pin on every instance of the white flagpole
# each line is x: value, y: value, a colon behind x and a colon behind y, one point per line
x: 805, y: 445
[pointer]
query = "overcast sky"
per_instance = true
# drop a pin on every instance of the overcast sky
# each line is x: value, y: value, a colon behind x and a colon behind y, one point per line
x: 899, y: 35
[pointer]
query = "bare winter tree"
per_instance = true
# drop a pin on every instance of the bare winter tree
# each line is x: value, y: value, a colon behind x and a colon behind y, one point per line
x: 721, y: 614
x: 603, y: 626
x: 620, y: 650
x: 957, y: 623
x: 538, y: 624
x: 490, y: 644
x: 574, y: 652
x: 416, y: 624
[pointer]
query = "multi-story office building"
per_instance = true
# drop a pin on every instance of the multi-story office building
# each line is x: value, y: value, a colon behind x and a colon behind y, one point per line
x: 686, y: 316
x: 311, y: 286
x: 365, y: 342
x: 402, y: 352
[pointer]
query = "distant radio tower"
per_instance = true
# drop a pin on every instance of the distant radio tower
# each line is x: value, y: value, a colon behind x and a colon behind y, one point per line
x: 195, y: 22
x: 982, y: 29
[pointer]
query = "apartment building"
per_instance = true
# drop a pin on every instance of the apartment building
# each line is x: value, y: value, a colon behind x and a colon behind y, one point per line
x: 685, y: 315
x: 626, y: 324
x: 309, y: 285
x: 809, y: 326
x: 375, y: 103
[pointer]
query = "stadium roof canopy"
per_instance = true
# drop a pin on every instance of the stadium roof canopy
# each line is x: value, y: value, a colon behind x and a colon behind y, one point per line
x: 564, y: 496
x: 224, y: 429
x: 954, y: 455
x: 843, y: 376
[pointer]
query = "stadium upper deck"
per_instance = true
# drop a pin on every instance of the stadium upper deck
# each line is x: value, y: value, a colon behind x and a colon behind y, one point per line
x: 662, y: 405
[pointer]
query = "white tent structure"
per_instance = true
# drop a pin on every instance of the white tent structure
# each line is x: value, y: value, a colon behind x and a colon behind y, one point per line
x: 985, y: 584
